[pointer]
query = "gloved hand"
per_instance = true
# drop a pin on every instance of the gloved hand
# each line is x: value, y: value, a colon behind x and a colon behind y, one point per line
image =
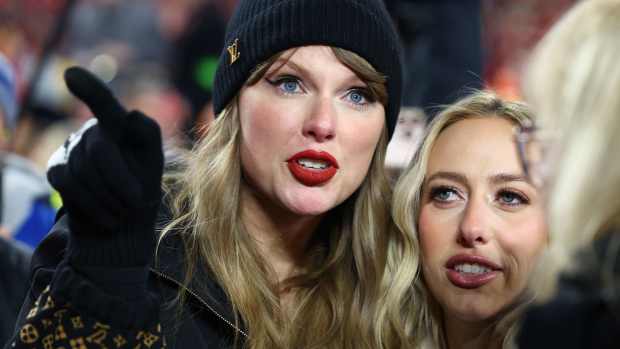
x: 109, y: 177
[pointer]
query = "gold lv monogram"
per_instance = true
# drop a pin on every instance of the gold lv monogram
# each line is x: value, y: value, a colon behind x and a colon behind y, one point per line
x: 233, y: 51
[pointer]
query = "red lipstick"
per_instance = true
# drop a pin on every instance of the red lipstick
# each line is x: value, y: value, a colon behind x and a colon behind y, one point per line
x: 470, y: 271
x: 312, y: 168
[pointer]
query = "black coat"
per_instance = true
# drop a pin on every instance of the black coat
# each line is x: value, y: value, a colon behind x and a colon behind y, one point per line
x: 585, y: 312
x: 14, y: 262
x: 66, y: 307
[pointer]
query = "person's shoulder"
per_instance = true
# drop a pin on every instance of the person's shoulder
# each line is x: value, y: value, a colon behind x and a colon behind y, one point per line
x: 14, y: 256
x: 23, y: 170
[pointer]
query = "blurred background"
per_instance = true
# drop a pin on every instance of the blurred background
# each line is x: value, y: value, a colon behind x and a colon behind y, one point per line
x: 160, y: 56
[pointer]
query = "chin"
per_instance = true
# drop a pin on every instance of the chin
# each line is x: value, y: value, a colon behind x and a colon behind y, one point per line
x: 310, y: 204
x: 309, y: 208
x: 474, y: 312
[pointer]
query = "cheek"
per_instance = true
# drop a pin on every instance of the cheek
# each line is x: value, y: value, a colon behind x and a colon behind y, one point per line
x: 265, y: 133
x: 256, y: 127
x: 254, y: 149
x: 526, y: 241
x: 433, y: 244
x: 259, y: 141
x: 433, y: 234
x: 358, y: 143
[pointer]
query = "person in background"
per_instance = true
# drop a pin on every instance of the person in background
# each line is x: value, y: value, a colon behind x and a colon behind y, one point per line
x: 572, y: 82
x: 195, y: 58
x: 26, y: 213
x: 280, y: 233
x: 14, y: 276
x: 443, y: 50
x: 14, y: 256
x: 478, y: 222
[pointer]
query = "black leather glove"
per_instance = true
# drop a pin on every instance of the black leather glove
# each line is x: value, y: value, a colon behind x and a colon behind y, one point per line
x: 109, y: 177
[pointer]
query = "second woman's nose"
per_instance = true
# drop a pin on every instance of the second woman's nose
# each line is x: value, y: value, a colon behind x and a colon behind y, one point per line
x: 475, y: 225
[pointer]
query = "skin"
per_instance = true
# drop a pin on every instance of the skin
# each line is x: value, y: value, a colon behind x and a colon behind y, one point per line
x: 306, y: 100
x: 477, y: 201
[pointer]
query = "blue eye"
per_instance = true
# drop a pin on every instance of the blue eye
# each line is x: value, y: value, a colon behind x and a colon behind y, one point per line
x: 444, y: 194
x: 358, y: 97
x: 510, y: 198
x: 289, y: 86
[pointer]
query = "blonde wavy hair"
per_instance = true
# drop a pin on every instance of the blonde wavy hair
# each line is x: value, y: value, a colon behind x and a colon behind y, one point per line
x: 347, y: 296
x: 407, y: 201
x: 573, y: 81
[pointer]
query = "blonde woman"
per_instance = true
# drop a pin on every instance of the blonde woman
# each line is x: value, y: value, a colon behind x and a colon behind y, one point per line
x: 478, y: 222
x: 573, y: 82
x: 279, y: 233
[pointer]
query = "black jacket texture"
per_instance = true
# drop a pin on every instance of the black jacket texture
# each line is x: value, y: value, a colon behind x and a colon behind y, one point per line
x: 14, y: 263
x: 121, y: 308
x: 585, y: 312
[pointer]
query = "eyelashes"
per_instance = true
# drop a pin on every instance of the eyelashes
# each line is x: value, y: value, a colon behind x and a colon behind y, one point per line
x: 288, y: 85
x: 360, y: 96
x: 444, y: 194
x: 512, y: 197
x: 506, y: 197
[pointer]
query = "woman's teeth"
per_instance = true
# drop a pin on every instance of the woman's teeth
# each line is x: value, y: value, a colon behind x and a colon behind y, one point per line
x: 471, y: 268
x: 314, y: 164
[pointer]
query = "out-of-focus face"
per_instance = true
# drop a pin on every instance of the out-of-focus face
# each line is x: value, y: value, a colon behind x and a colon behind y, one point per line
x: 309, y: 131
x: 481, y: 223
x: 539, y: 151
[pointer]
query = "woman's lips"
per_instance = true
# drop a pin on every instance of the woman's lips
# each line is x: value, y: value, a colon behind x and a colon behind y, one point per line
x: 471, y: 271
x: 312, y: 168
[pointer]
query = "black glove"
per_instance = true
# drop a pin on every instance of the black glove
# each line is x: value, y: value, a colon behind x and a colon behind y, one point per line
x: 109, y: 177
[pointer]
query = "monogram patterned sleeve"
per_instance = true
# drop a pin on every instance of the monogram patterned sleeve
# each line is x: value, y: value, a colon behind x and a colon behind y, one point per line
x: 51, y: 324
x: 76, y: 308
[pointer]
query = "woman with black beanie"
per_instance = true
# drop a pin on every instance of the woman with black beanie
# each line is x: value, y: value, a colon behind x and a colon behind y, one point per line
x: 277, y: 232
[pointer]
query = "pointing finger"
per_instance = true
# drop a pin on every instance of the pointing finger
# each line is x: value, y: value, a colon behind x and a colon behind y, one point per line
x: 99, y: 99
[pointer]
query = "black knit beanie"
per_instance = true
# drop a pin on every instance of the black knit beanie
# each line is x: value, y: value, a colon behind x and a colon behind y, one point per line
x: 261, y: 28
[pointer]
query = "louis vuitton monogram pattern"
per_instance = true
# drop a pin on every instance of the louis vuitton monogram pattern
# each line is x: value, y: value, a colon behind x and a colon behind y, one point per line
x: 50, y: 325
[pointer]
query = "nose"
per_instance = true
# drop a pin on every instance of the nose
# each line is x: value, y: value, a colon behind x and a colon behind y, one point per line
x: 474, y: 227
x: 321, y: 121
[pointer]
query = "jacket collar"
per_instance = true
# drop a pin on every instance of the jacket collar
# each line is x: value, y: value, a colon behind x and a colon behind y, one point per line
x: 170, y: 263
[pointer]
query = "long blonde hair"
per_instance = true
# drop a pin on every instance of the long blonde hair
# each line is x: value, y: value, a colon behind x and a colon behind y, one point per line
x: 407, y: 203
x: 344, y: 298
x: 573, y: 82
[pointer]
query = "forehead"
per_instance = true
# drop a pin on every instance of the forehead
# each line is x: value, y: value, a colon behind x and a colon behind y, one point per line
x: 309, y: 53
x: 480, y: 146
x: 316, y: 59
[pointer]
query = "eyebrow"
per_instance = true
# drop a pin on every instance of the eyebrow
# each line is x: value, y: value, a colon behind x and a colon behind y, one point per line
x: 462, y: 179
x: 453, y: 176
x: 283, y: 61
x: 507, y: 177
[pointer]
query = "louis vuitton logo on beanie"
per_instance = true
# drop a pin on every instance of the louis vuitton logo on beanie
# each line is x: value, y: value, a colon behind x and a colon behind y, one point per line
x: 233, y: 51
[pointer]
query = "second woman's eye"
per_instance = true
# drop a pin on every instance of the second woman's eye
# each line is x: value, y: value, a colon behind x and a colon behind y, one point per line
x: 511, y: 198
x: 444, y: 194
